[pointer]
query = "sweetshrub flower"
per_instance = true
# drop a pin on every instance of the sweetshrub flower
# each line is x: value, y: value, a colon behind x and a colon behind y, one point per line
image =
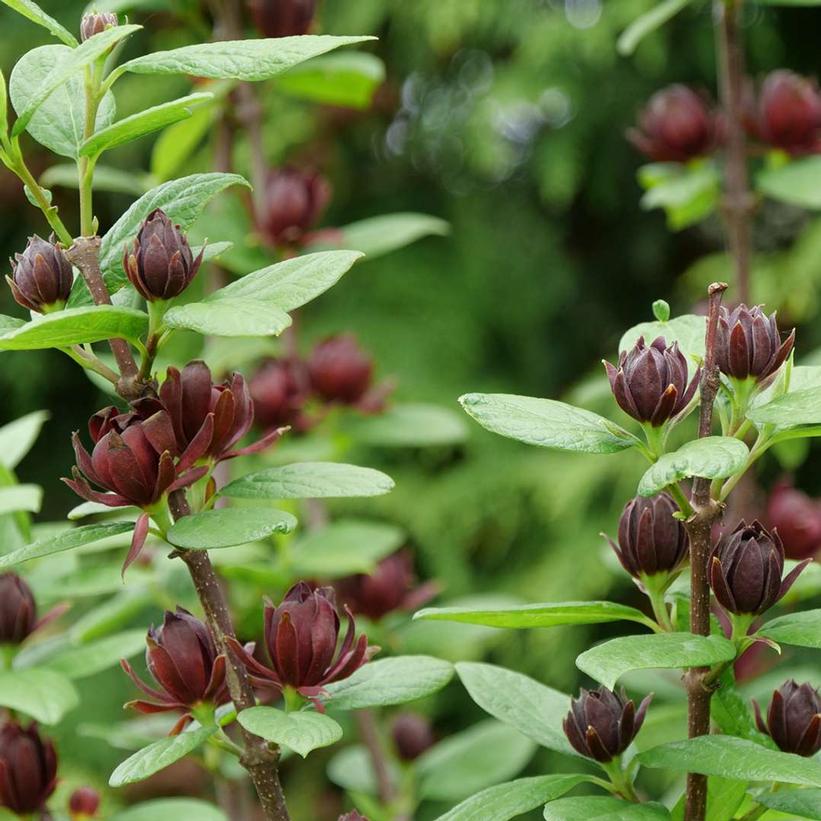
x: 28, y: 768
x: 794, y: 719
x: 41, y: 276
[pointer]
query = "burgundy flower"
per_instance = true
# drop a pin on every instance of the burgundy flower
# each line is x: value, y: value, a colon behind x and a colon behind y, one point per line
x: 293, y: 203
x: 340, y: 371
x: 208, y: 419
x: 279, y: 390
x: 788, y: 114
x: 412, y: 735
x: 601, y: 724
x: 677, y: 125
x: 391, y: 586
x: 301, y: 637
x: 746, y: 567
x: 797, y: 518
x: 650, y: 383
x: 18, y: 611
x: 41, y: 276
x: 92, y: 24
x: 160, y: 264
x: 184, y: 662
x: 748, y: 344
x: 83, y: 803
x: 794, y: 719
x: 282, y: 18
x: 28, y: 768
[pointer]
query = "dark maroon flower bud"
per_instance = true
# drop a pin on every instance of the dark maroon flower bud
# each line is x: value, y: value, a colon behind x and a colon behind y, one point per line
x: 18, y: 611
x: 83, y: 804
x: 41, y: 277
x: 340, y: 370
x: 391, y: 586
x: 293, y: 203
x: 601, y: 724
x: 301, y: 636
x: 279, y: 390
x: 412, y: 735
x: 748, y: 344
x: 650, y: 383
x: 160, y: 264
x: 677, y: 125
x: 282, y: 18
x: 92, y: 24
x: 651, y: 540
x: 746, y: 567
x: 788, y: 115
x: 28, y: 768
x: 183, y: 660
x: 794, y: 719
x: 797, y: 518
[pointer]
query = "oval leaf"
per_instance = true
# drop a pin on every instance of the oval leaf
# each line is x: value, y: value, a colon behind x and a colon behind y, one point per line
x: 229, y: 317
x: 802, y: 629
x: 798, y: 182
x: 228, y: 527
x: 407, y: 425
x: 801, y: 407
x: 804, y: 803
x: 301, y: 731
x: 171, y: 809
x: 17, y: 437
x: 67, y: 540
x: 688, y: 330
x: 603, y: 808
x: 81, y: 661
x: 380, y: 235
x: 30, y: 9
x: 44, y: 695
x: 21, y: 498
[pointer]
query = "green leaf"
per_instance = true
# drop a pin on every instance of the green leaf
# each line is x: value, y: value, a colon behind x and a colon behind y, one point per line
x: 229, y: 317
x: 59, y: 122
x: 171, y: 809
x: 460, y: 765
x: 302, y: 731
x: 345, y: 547
x: 532, y: 708
x: 647, y: 23
x: 292, y: 283
x: 798, y: 182
x: 602, y: 808
x: 796, y: 407
x: 804, y: 803
x: 352, y: 769
x: 83, y: 660
x: 159, y: 755
x: 713, y: 457
x: 33, y: 12
x: 381, y: 235
x: 228, y: 527
x: 546, y: 422
x: 9, y: 323
x: 802, y: 629
x: 550, y: 614
x: 252, y: 60
x: 174, y: 147
x: 142, y: 123
x: 687, y: 193
x: 310, y: 480
x: 347, y: 79
x: 688, y: 330
x: 736, y: 758
x: 607, y: 662
x: 106, y: 178
x: 72, y: 62
x: 28, y: 498
x: 17, y: 437
x: 407, y: 425
x: 396, y: 680
x: 76, y: 326
x: 505, y: 801
x: 44, y: 695
x: 67, y: 540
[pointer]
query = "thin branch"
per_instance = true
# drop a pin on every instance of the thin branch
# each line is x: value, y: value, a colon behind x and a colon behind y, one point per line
x: 369, y: 734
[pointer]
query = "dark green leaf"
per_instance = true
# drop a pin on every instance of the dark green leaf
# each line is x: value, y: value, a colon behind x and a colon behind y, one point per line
x: 407, y: 425
x: 17, y: 437
x: 228, y: 527
x: 797, y: 183
x: 33, y: 12
x: 804, y: 803
x: 802, y: 629
x: 68, y: 539
x: 302, y: 731
x: 44, y: 695
x: 171, y: 809
x: 229, y: 317
x: 647, y: 23
x: 602, y: 808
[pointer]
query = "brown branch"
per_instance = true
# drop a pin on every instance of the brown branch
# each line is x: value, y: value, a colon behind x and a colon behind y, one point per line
x: 738, y: 201
x: 369, y: 734
x: 699, y: 526
x: 260, y: 758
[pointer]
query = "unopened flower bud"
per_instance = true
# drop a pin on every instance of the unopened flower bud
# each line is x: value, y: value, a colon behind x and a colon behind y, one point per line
x: 96, y: 22
x: 412, y: 735
x: 293, y: 203
x: 279, y: 390
x: 797, y: 518
x: 788, y: 115
x: 601, y: 724
x: 794, y: 719
x: 160, y: 264
x: 340, y: 371
x: 18, y: 611
x: 650, y: 382
x: 283, y: 18
x: 41, y: 276
x: 83, y: 804
x: 28, y: 768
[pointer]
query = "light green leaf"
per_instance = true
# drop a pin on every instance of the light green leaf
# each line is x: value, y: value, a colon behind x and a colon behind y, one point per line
x: 796, y: 407
x: 347, y: 79
x: 608, y: 661
x: 83, y: 660
x: 724, y: 797
x: 505, y: 801
x: 59, y: 122
x: 647, y: 23
x: 396, y: 680
x: 713, y: 457
x: 171, y: 809
x: 802, y: 629
x: 735, y: 758
x: 67, y: 540
x: 228, y: 527
x: 407, y: 425
x: 688, y: 330
x: 804, y: 803
x: 72, y: 62
x: 292, y: 283
x: 532, y: 708
x: 26, y: 498
x: 159, y: 755
x: 142, y: 123
x: 302, y: 731
x: 797, y: 183
x: 602, y: 808
x: 174, y: 147
x: 17, y: 437
x: 687, y: 193
x: 10, y: 323
x: 229, y: 317
x: 352, y: 769
x: 33, y: 12
x: 381, y: 235
x: 310, y: 480
x: 106, y: 178
x: 525, y: 616
x: 345, y: 547
x: 44, y: 695
x: 76, y: 326
x: 485, y: 754
x: 546, y: 422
